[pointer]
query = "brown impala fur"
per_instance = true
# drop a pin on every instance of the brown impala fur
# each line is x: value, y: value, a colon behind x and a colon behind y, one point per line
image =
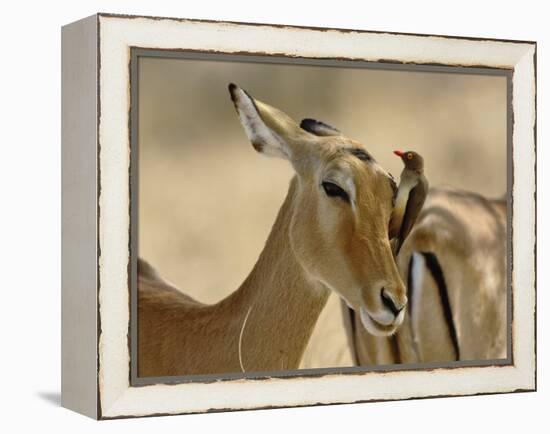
x: 467, y: 234
x: 319, y: 243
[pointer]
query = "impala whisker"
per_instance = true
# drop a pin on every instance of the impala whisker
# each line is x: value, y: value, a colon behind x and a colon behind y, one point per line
x: 241, y: 339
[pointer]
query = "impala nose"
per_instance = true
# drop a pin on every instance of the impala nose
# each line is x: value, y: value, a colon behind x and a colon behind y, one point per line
x: 389, y: 301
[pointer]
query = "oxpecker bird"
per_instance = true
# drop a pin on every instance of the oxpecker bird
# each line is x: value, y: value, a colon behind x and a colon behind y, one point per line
x: 411, y: 194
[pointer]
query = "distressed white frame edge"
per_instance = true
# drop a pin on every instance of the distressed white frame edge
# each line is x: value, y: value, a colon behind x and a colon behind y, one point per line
x: 117, y: 398
x: 79, y: 388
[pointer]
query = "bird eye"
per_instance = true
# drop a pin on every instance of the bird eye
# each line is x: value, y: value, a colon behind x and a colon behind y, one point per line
x: 333, y: 190
x: 409, y: 156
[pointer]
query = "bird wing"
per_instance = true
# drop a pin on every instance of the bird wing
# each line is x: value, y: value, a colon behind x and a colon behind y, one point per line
x: 417, y: 196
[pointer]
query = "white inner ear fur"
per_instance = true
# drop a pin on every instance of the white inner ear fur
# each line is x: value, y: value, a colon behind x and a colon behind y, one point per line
x: 263, y: 138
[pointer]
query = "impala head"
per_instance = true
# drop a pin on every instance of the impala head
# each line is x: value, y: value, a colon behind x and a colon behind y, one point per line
x: 342, y: 205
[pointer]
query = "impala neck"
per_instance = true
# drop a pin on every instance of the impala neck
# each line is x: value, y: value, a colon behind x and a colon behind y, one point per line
x: 282, y: 303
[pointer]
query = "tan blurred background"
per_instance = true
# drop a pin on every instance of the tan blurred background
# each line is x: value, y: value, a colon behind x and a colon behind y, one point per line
x: 207, y: 200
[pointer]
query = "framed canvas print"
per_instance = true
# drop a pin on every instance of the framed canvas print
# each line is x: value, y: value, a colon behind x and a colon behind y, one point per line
x: 385, y: 250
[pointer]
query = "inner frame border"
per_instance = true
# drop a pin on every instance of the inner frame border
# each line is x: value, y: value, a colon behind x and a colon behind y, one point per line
x: 251, y: 57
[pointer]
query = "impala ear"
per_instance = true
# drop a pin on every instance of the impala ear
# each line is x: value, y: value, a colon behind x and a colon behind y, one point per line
x: 319, y: 128
x: 270, y: 131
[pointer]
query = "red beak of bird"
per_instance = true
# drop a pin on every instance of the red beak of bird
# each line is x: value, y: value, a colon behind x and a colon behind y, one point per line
x: 398, y: 153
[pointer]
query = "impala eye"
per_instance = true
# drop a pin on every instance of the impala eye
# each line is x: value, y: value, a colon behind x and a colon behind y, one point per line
x: 333, y: 190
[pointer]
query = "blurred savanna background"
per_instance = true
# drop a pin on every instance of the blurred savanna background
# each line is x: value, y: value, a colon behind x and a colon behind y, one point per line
x: 207, y: 200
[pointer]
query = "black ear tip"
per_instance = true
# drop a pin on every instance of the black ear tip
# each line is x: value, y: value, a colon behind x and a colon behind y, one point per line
x: 308, y: 124
x: 232, y: 89
x: 318, y: 128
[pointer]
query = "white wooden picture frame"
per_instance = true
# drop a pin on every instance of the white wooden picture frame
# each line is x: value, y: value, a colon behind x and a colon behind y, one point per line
x: 97, y: 218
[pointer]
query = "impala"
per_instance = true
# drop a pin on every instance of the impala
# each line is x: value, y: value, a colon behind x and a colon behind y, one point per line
x: 331, y: 234
x: 454, y: 261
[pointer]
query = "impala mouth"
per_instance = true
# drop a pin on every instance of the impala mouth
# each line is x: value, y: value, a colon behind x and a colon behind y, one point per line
x: 374, y: 327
